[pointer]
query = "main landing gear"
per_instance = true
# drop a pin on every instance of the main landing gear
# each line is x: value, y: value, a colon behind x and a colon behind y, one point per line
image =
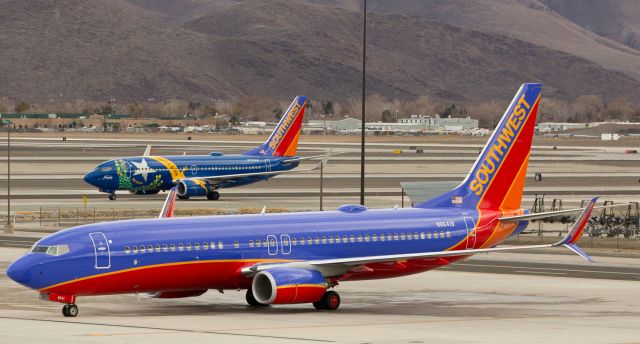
x: 70, y: 310
x: 251, y: 300
x: 329, y: 301
x: 112, y: 196
x: 213, y: 195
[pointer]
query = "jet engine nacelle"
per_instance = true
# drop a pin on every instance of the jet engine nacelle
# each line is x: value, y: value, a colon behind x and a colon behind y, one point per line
x: 177, y: 294
x: 190, y: 187
x: 288, y: 285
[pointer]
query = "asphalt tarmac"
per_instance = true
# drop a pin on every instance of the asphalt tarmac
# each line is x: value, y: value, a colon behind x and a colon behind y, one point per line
x: 497, y: 305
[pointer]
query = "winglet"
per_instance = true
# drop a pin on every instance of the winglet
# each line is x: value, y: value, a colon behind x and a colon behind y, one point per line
x: 169, y: 204
x: 569, y: 241
x: 147, y: 152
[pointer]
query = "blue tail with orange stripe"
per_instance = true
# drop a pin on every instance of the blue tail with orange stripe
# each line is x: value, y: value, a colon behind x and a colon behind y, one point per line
x: 496, y: 180
x: 284, y: 138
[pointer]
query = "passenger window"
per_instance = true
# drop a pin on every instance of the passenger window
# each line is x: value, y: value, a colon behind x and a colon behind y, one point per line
x: 127, y: 249
x: 316, y: 240
x: 236, y: 244
x: 324, y: 239
x: 250, y: 243
x: 264, y: 242
x: 142, y: 249
x: 366, y: 237
x: 134, y: 249
x: 435, y: 235
x: 285, y: 241
x: 337, y: 239
x: 415, y: 236
x: 448, y: 234
x: 173, y: 247
x: 165, y: 248
x: 374, y: 237
x: 309, y: 240
x: 157, y: 248
x: 180, y: 247
x: 301, y: 241
x: 359, y: 238
x: 381, y: 237
x: 294, y: 241
x: 205, y: 246
x: 213, y: 245
x: 220, y: 246
x: 196, y: 246
x: 402, y: 236
x: 150, y: 249
x: 422, y: 236
x: 188, y: 246
x: 330, y: 240
x: 389, y: 236
x: 345, y: 239
x: 352, y: 238
x: 258, y: 243
x: 442, y: 234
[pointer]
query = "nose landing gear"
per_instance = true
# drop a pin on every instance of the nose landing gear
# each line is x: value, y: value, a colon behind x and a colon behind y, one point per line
x: 112, y: 196
x: 70, y: 310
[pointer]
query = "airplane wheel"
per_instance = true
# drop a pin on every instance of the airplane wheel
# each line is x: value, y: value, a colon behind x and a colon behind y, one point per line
x: 112, y: 197
x: 70, y: 310
x: 251, y: 300
x: 213, y: 195
x: 183, y: 197
x: 330, y: 301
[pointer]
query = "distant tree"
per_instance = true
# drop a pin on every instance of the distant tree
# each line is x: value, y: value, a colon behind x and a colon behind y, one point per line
x: 234, y: 120
x: 136, y: 110
x: 106, y: 110
x: 619, y: 109
x: 277, y: 113
x: 387, y: 117
x: 327, y: 108
x: 193, y: 106
x: 209, y: 111
x: 587, y: 108
x: 22, y: 107
x: 454, y: 110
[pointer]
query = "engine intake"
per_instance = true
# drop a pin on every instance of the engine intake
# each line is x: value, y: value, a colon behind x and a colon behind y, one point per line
x: 288, y: 285
x: 177, y: 294
x: 191, y: 187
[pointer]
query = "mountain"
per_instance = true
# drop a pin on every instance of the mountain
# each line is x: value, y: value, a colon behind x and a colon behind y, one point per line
x: 205, y: 50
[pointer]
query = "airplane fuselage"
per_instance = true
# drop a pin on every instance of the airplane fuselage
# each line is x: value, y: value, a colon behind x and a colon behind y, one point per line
x: 209, y: 252
x: 149, y: 174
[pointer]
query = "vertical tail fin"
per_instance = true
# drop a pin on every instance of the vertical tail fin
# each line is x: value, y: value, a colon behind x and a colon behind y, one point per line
x: 284, y: 138
x: 496, y: 180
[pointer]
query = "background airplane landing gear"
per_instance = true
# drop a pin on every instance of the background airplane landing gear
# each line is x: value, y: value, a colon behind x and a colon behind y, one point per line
x: 213, y: 195
x: 112, y: 197
x: 329, y: 301
x: 70, y: 310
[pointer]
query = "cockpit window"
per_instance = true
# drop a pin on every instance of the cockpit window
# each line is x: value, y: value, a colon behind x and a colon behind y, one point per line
x: 106, y: 169
x: 51, y: 250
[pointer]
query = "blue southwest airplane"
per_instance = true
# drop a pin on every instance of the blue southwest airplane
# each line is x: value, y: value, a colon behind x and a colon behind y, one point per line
x: 203, y: 175
x: 300, y: 257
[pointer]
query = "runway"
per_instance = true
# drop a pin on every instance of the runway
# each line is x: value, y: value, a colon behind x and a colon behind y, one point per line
x: 442, y: 306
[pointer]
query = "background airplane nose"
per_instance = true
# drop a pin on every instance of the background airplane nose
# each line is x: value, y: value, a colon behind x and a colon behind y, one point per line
x: 91, y: 178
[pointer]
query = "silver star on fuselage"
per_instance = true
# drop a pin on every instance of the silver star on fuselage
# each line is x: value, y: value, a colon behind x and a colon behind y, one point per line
x: 142, y: 168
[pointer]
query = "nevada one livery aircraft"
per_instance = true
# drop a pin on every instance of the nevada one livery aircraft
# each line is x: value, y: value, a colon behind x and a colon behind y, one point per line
x: 203, y: 175
x: 299, y: 257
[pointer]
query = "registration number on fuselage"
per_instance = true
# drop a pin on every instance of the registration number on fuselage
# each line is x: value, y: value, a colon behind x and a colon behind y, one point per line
x: 445, y: 224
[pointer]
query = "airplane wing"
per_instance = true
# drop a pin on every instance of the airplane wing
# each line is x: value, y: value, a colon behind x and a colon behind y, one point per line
x: 169, y: 204
x: 225, y: 177
x: 546, y: 214
x: 338, y: 266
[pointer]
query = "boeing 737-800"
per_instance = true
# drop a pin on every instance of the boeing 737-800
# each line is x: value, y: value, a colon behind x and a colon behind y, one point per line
x: 203, y: 175
x: 300, y: 257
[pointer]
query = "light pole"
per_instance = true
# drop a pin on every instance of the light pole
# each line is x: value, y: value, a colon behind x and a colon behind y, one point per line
x: 8, y: 227
x: 364, y: 66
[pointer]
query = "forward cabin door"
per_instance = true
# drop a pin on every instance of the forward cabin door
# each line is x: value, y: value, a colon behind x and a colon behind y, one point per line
x: 101, y: 250
x: 471, y: 232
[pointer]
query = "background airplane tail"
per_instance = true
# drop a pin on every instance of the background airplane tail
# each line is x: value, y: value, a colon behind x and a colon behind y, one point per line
x: 284, y: 138
x: 496, y: 180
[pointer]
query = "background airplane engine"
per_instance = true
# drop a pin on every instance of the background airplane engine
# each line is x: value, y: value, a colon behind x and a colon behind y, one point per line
x: 288, y: 285
x: 176, y: 294
x: 189, y: 188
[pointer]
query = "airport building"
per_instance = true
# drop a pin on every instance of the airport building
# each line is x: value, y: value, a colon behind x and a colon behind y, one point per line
x: 413, y: 125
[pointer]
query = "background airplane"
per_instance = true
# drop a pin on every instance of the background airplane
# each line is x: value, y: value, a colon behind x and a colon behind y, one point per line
x: 203, y: 175
x: 298, y: 257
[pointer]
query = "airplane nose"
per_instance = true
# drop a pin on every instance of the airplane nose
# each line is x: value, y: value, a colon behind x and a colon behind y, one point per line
x: 91, y: 178
x: 17, y: 271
